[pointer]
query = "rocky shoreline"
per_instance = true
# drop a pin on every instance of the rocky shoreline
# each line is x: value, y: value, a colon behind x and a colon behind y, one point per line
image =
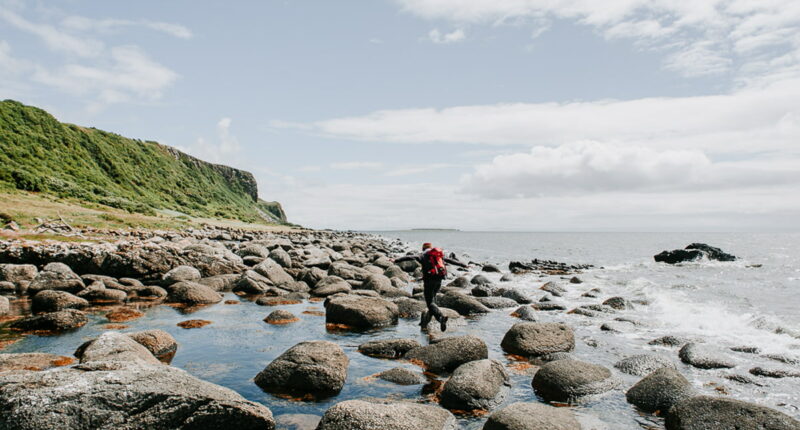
x: 125, y: 380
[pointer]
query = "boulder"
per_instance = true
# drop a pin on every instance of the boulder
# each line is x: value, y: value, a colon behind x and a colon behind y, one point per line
x: 348, y: 271
x: 447, y: 354
x: 281, y: 257
x: 181, y: 274
x: 532, y: 416
x: 388, y: 348
x: 114, y: 346
x: 569, y: 380
x: 618, y: 303
x: 315, y: 368
x: 459, y: 282
x: 56, y: 276
x: 554, y: 289
x: 373, y: 415
x: 497, y: 302
x: 297, y: 421
x: 525, y: 313
x: 401, y: 376
x: 660, y: 390
x: 360, y: 312
x: 377, y: 282
x: 54, y: 300
x: 669, y: 341
x: 193, y: 293
x: 490, y: 268
x: 274, y: 272
x: 480, y: 384
x: 32, y: 361
x: 643, y: 364
x: 410, y: 308
x: 220, y: 282
x: 252, y: 282
x: 5, y: 305
x: 151, y: 292
x: 396, y: 272
x: 704, y: 357
x: 280, y: 317
x: 253, y: 250
x: 18, y: 273
x: 531, y: 339
x: 311, y: 275
x: 97, y: 292
x: 706, y: 412
x: 330, y: 285
x: 480, y: 280
x: 68, y: 319
x: 160, y: 343
x: 515, y: 295
x: 461, y: 303
x: 90, y: 396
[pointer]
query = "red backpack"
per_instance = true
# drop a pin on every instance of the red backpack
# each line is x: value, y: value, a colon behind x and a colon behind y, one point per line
x: 436, y: 259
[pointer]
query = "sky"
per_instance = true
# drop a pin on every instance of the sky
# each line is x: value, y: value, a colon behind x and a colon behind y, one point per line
x: 507, y: 115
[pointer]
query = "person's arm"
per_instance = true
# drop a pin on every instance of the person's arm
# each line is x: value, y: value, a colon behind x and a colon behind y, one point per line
x: 454, y: 262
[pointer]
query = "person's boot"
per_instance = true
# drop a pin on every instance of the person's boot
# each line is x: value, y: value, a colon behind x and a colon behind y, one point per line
x: 426, y: 319
x: 443, y: 323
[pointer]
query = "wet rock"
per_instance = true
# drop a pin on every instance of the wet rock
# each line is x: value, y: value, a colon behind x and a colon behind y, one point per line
x: 693, y: 252
x: 774, y: 372
x: 449, y: 353
x: 410, y: 308
x: 712, y: 252
x: 461, y: 303
x: 68, y: 319
x: 704, y: 357
x: 160, y: 343
x: 659, y: 390
x: 480, y: 384
x: 614, y: 327
x: 220, y: 282
x: 531, y: 339
x: 54, y: 300
x: 569, y: 380
x: 490, y: 268
x: 783, y: 358
x: 554, y: 289
x: 18, y: 274
x: 706, y: 412
x: 98, y: 293
x: 193, y: 293
x: 280, y: 317
x: 575, y: 280
x: 532, y: 416
x: 276, y: 301
x: 56, y: 276
x: 547, y: 307
x: 359, y: 311
x: 525, y: 313
x: 281, y: 257
x: 316, y: 368
x: 151, y: 292
x: 507, y: 277
x: 154, y: 397
x: 124, y: 314
x: 274, y: 272
x: 643, y: 364
x: 480, y: 280
x: 482, y: 291
x: 297, y: 421
x: 618, y: 303
x: 556, y: 356
x: 669, y: 341
x: 497, y: 302
x: 746, y: 349
x: 515, y: 295
x: 181, y: 274
x: 459, y: 282
x: 33, y: 361
x: 114, y: 346
x: 401, y: 376
x: 189, y: 324
x: 388, y: 348
x: 593, y: 293
x: 373, y: 415
x: 330, y: 285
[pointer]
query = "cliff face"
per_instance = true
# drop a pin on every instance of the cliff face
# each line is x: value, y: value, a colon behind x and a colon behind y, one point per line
x: 38, y: 153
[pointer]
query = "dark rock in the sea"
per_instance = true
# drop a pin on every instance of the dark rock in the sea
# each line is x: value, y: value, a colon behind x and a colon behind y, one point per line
x: 575, y: 280
x: 480, y: 280
x: 56, y: 276
x: 220, y: 282
x: 548, y: 306
x: 192, y: 293
x: 280, y: 317
x: 525, y: 313
x: 114, y: 346
x: 553, y: 289
x: 497, y: 302
x: 669, y: 341
x: 160, y: 343
x: 410, y: 308
x: 331, y: 285
x: 316, y: 368
x: 68, y: 319
x: 643, y: 364
x: 180, y: 274
x: 388, y: 348
x: 569, y: 380
x: 460, y: 282
x: 480, y: 384
x: 54, y: 300
x: 783, y: 358
x: 659, y: 390
x: 360, y: 312
x: 374, y: 415
x: 693, y: 252
x: 490, y: 268
x: 705, y: 357
x: 746, y: 349
x: 32, y: 361
x: 482, y: 291
x: 770, y: 372
x: 547, y: 266
x: 401, y: 376
x: 449, y: 353
x: 706, y: 412
x: 461, y: 303
x: 593, y: 293
x: 532, y: 416
x: 515, y: 295
x: 532, y: 339
x: 91, y: 396
x: 618, y: 303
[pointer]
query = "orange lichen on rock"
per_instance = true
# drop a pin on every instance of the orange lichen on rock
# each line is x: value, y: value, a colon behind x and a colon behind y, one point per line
x: 62, y: 361
x: 115, y: 326
x: 282, y: 322
x: 277, y: 301
x: 291, y: 398
x: 124, y: 314
x: 193, y: 323
x: 6, y: 342
x: 315, y: 313
x: 475, y: 413
x: 316, y: 299
x: 333, y: 327
x: 232, y: 302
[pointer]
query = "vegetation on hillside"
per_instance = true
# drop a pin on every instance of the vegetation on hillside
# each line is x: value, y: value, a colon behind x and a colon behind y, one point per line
x: 40, y: 154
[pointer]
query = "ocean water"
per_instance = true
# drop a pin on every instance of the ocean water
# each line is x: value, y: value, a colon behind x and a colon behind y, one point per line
x: 722, y: 304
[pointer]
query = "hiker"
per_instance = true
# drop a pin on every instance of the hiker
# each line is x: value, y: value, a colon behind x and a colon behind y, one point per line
x: 433, y: 273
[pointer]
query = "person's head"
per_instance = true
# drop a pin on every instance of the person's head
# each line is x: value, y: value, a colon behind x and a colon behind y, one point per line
x: 426, y: 245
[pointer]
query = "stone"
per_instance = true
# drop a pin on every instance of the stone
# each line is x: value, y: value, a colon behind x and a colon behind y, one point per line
x: 401, y: 376
x: 331, y: 285
x: 490, y: 268
x: 54, y: 300
x: 480, y: 384
x: 771, y: 372
x: 180, y: 274
x: 315, y: 368
x: 497, y: 302
x: 531, y: 339
x: 643, y: 364
x: 704, y: 357
x: 706, y: 412
x: 33, y: 361
x: 360, y: 312
x: 532, y: 416
x: 56, y: 276
x: 480, y: 280
x: 461, y: 303
x: 151, y: 292
x: 554, y: 289
x: 114, y: 346
x: 280, y: 317
x: 516, y: 295
x: 193, y: 293
x: 348, y: 271
x: 98, y: 293
x: 659, y: 390
x: 410, y: 308
x: 160, y: 343
x: 281, y: 257
x: 17, y: 273
x: 618, y: 303
x: 525, y: 313
x: 220, y: 282
x: 570, y: 380
x: 374, y: 415
x: 447, y: 354
x: 388, y: 348
x: 668, y: 341
x: 459, y: 282
x: 68, y: 319
x: 274, y: 272
x: 297, y: 421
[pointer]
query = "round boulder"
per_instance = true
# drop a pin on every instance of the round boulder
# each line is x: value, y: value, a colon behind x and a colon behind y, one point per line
x: 706, y: 412
x: 56, y: 276
x: 447, y: 354
x: 160, y: 343
x: 314, y: 368
x: 462, y: 303
x: 643, y: 364
x: 480, y: 384
x: 532, y: 416
x: 569, y: 380
x: 363, y: 415
x: 388, y: 348
x: 360, y: 311
x: 281, y: 317
x: 68, y: 319
x: 331, y: 285
x: 54, y: 300
x: 531, y: 339
x: 704, y: 357
x: 660, y: 390
x: 114, y: 346
x: 401, y: 376
x: 193, y: 293
x: 180, y: 274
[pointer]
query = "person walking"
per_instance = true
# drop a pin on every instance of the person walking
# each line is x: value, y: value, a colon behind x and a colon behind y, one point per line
x: 434, y: 271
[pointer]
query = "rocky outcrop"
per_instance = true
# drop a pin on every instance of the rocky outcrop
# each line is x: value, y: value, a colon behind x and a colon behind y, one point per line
x: 693, y: 252
x: 373, y: 415
x: 314, y: 368
x: 480, y: 384
x: 705, y: 412
x: 569, y: 380
x: 532, y: 416
x: 114, y: 346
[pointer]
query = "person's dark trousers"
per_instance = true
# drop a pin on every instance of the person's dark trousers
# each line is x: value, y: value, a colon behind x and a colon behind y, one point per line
x: 432, y: 286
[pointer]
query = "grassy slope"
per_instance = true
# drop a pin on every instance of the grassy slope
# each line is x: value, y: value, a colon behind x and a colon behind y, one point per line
x: 38, y: 153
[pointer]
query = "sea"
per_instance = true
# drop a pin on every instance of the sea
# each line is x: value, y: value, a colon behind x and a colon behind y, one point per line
x: 752, y: 302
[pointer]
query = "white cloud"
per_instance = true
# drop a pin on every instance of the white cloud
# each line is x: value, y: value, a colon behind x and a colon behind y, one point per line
x: 224, y: 149
x: 445, y: 38
x: 375, y: 41
x: 54, y: 38
x: 356, y: 165
x: 416, y: 169
x: 81, y: 23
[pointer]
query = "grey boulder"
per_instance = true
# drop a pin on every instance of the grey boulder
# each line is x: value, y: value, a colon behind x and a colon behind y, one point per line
x: 643, y: 364
x: 660, y: 390
x: 388, y: 348
x: 531, y: 339
x: 315, y: 368
x: 447, y: 354
x: 360, y: 311
x: 532, y: 416
x: 192, y: 293
x: 706, y: 412
x: 56, y: 276
x: 704, y: 357
x: 68, y: 319
x: 569, y: 380
x: 480, y: 384
x: 54, y: 300
x: 373, y: 415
